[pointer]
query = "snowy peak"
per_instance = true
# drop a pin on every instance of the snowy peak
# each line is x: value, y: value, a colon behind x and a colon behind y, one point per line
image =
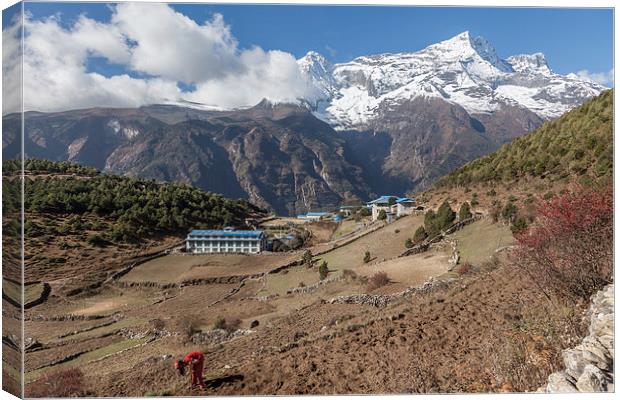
x: 318, y: 73
x: 484, y: 49
x: 530, y: 63
x: 463, y: 47
x: 462, y: 70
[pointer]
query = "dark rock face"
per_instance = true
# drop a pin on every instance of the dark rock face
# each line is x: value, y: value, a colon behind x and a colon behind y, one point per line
x: 278, y: 156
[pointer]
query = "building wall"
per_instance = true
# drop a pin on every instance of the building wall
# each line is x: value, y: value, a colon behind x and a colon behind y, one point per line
x: 225, y: 245
x: 376, y: 209
x: 403, y: 210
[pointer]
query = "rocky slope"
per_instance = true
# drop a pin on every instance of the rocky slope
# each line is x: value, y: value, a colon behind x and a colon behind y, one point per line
x: 589, y: 366
x: 280, y: 157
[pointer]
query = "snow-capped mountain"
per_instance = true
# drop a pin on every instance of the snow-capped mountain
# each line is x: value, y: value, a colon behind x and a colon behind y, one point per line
x: 464, y: 71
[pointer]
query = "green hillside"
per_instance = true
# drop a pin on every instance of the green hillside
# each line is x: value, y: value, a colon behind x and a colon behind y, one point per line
x: 580, y: 143
x: 133, y: 208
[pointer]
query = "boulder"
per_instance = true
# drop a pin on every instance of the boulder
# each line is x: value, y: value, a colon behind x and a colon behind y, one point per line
x: 592, y: 380
x: 560, y: 382
x: 594, y: 353
x: 602, y: 324
x: 574, y: 362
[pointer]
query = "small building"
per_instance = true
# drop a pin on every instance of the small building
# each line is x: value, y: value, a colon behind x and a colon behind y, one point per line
x: 404, y: 206
x: 314, y: 215
x: 393, y: 206
x: 227, y: 240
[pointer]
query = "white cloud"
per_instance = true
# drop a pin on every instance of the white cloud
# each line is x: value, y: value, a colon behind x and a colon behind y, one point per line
x: 602, y: 78
x: 163, y: 46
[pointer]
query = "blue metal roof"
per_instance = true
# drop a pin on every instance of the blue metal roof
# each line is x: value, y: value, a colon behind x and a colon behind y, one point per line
x: 316, y: 214
x: 226, y: 233
x: 382, y: 199
x: 386, y: 199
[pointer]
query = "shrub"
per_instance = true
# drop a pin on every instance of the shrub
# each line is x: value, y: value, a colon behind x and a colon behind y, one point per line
x: 377, y: 280
x: 408, y: 243
x: 96, y: 240
x: 231, y: 325
x: 492, y: 193
x: 323, y: 270
x: 569, y: 248
x: 519, y: 225
x: 157, y: 324
x: 509, y: 212
x: 365, y: 212
x: 367, y: 257
x: 464, y: 212
x: 496, y: 211
x: 462, y: 269
x: 220, y: 323
x: 190, y: 325
x: 445, y: 215
x: 307, y: 259
x: 382, y: 215
x: 430, y: 223
x: 419, y: 235
x: 62, y: 383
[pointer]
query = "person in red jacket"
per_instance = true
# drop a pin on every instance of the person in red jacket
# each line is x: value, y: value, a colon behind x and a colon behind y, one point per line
x: 195, y: 360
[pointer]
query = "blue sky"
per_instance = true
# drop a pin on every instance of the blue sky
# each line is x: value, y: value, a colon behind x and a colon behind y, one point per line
x: 572, y: 39
x: 129, y: 54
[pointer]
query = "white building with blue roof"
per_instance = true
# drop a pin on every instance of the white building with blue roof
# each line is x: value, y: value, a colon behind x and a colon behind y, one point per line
x: 227, y: 240
x: 393, y: 206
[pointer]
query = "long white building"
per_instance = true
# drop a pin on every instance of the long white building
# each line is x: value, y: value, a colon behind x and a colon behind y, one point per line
x: 227, y: 240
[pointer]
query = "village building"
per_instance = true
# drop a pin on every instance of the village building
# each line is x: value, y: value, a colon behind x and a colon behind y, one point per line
x: 227, y: 240
x: 314, y: 215
x: 393, y: 206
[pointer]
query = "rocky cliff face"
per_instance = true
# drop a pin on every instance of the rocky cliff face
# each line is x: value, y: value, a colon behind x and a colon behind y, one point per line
x: 279, y: 156
x: 590, y: 365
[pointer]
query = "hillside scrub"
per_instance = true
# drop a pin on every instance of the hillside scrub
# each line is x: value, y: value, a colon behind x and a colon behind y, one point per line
x: 436, y: 222
x: 323, y: 270
x: 464, y: 212
x: 139, y: 207
x: 579, y: 143
x: 569, y: 248
x: 419, y: 235
x: 377, y: 280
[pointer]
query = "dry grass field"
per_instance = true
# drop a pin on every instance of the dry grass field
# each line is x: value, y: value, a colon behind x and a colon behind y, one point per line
x: 176, y: 268
x: 113, y: 341
x: 383, y: 244
x: 477, y: 242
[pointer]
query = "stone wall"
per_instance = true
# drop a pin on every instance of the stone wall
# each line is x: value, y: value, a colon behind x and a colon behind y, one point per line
x: 589, y: 367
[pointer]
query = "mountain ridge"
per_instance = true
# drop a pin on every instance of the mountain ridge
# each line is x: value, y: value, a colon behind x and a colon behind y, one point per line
x: 384, y: 123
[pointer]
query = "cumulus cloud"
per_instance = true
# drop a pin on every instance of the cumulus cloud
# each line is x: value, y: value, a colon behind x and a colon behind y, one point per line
x: 602, y: 78
x: 159, y: 47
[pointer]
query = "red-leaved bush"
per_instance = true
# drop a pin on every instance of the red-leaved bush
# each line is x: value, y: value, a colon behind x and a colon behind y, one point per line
x: 569, y: 248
